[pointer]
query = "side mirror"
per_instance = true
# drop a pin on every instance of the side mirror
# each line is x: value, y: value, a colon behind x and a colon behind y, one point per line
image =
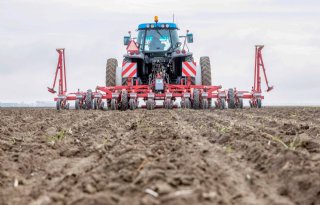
x: 190, y: 38
x: 126, y: 40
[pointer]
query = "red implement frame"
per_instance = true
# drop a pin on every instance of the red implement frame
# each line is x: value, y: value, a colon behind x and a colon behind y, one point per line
x: 126, y: 96
x: 143, y: 91
x: 257, y: 68
x: 61, y: 71
x: 255, y: 96
x: 184, y: 90
x: 63, y: 97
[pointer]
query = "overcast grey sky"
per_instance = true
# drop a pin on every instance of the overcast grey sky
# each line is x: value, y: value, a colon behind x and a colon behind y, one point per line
x: 92, y: 31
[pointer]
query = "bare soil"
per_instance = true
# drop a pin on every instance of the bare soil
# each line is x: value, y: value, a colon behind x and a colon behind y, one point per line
x: 250, y: 156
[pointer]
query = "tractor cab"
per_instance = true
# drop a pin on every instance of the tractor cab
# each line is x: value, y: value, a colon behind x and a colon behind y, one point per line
x: 158, y: 37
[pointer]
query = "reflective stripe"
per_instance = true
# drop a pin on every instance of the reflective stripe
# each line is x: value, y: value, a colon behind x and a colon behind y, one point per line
x: 133, y: 74
x: 129, y: 70
x: 189, y: 69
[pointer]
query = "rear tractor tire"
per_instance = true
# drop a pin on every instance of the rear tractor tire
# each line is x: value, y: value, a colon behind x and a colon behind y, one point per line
x: 111, y: 68
x: 206, y: 75
x: 205, y: 70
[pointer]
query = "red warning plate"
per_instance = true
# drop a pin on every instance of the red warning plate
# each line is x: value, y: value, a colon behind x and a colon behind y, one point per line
x: 132, y: 46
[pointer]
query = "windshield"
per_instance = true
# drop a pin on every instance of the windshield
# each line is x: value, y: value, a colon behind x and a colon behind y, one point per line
x: 157, y: 39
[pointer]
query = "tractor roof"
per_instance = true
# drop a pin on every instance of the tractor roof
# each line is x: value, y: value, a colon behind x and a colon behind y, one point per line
x: 158, y: 25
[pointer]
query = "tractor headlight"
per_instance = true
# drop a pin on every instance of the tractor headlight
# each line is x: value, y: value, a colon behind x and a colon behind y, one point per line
x: 162, y: 25
x: 151, y: 25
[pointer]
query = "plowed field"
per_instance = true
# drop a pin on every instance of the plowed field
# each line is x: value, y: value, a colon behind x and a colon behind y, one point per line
x: 249, y: 156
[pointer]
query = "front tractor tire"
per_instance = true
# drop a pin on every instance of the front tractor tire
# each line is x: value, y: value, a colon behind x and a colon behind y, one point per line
x: 111, y: 69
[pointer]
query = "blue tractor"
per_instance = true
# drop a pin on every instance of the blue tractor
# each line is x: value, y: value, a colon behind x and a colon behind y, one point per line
x: 159, y: 51
x: 159, y: 57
